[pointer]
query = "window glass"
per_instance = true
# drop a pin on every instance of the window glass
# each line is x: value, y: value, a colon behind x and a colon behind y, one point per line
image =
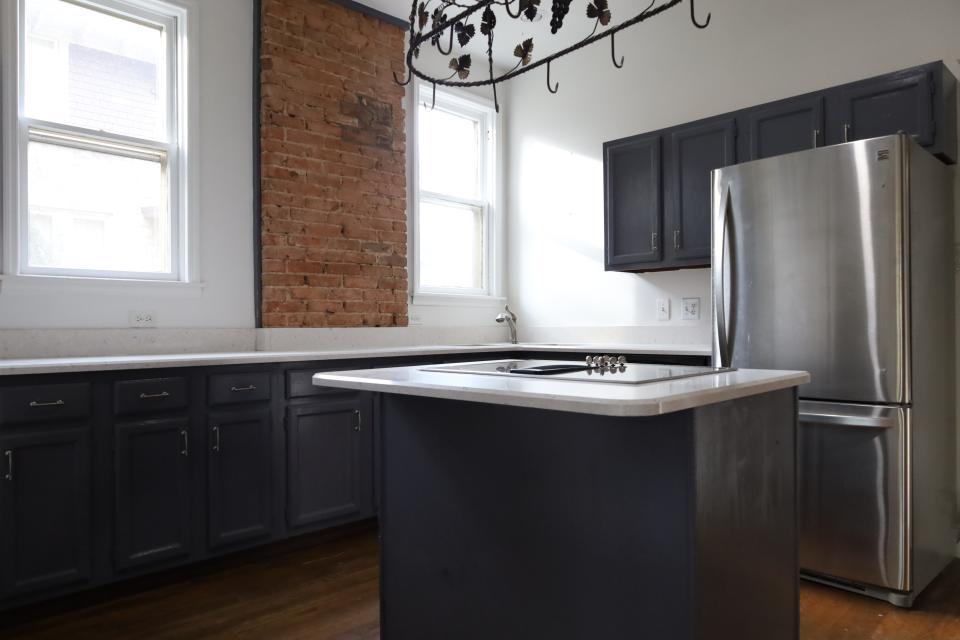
x: 450, y: 153
x: 96, y: 211
x: 450, y: 246
x: 91, y: 69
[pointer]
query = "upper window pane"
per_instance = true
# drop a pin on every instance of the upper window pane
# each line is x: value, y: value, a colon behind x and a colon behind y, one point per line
x: 95, y: 211
x: 450, y: 153
x: 90, y: 69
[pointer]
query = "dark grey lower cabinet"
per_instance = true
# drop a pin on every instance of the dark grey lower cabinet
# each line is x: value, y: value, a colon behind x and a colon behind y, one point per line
x: 153, y: 492
x: 238, y: 476
x: 46, y: 510
x: 329, y: 461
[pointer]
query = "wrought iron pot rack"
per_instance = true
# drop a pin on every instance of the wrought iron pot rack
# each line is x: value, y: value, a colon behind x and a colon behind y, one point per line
x: 432, y: 28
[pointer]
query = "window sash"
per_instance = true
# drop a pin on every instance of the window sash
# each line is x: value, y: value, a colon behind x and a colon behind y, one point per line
x: 483, y: 113
x: 170, y: 20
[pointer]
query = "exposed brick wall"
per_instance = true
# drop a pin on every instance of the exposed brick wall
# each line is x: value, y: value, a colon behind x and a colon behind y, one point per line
x: 333, y: 161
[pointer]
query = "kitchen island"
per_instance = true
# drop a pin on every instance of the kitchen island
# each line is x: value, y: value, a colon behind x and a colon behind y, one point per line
x: 516, y: 506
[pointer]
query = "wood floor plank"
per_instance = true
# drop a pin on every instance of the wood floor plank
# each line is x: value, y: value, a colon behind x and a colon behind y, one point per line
x: 328, y: 591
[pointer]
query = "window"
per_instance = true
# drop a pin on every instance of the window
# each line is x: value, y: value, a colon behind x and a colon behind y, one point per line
x: 454, y: 228
x: 97, y: 166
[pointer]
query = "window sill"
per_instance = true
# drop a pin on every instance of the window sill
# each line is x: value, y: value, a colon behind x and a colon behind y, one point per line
x: 66, y: 284
x: 456, y: 300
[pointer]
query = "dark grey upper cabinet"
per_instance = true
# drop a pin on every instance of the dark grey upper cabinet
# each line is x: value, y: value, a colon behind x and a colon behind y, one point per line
x: 46, y: 510
x: 238, y: 476
x: 153, y: 492
x: 633, y: 202
x: 329, y: 461
x: 695, y: 151
x: 657, y: 185
x: 783, y: 127
x: 919, y: 101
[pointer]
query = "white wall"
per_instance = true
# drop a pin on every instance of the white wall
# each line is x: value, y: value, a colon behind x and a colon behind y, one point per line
x: 753, y: 52
x: 224, y: 199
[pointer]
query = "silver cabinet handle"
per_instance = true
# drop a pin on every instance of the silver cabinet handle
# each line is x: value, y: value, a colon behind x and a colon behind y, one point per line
x: 216, y: 439
x: 9, y: 455
x: 653, y: 242
x: 249, y: 387
x: 846, y: 133
x: 873, y: 422
x: 186, y: 444
x: 54, y: 403
x: 150, y: 396
x: 816, y: 138
x: 358, y: 420
x: 676, y: 239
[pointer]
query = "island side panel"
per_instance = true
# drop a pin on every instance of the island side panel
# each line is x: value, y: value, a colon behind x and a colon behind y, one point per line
x: 504, y: 522
x: 746, y: 567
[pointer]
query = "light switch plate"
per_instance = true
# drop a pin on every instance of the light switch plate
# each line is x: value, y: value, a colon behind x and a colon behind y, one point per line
x: 689, y: 308
x: 663, y: 309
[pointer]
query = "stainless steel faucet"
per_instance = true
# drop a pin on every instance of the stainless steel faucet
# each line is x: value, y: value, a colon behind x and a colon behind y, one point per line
x: 511, y: 319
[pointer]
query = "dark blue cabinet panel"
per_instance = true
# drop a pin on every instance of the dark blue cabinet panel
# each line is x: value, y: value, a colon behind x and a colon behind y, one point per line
x: 784, y: 127
x: 239, y: 476
x: 633, y: 203
x: 153, y: 492
x: 45, y: 502
x: 695, y: 151
x: 883, y: 106
x: 329, y: 462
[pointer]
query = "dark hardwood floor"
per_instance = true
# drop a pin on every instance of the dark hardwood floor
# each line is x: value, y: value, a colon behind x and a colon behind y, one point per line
x: 325, y: 589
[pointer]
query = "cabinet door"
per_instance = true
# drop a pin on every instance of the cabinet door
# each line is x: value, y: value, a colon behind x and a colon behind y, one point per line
x: 45, y: 502
x: 238, y: 476
x: 695, y: 151
x: 632, y: 202
x: 883, y: 106
x: 784, y: 127
x: 153, y: 492
x: 329, y: 462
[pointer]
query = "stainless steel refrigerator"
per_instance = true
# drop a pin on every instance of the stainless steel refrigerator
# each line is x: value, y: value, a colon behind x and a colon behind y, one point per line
x: 839, y: 261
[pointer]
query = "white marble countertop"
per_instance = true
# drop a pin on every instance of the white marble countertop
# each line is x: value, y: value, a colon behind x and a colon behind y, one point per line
x: 117, y: 363
x: 622, y: 400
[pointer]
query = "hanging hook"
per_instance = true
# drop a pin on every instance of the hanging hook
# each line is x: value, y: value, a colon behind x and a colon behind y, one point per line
x: 506, y: 5
x: 693, y: 16
x: 450, y: 48
x: 434, y: 103
x: 552, y: 88
x: 613, y: 52
x: 400, y: 82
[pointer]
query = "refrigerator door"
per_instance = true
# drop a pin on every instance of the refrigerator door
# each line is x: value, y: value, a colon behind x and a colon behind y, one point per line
x: 809, y: 269
x: 854, y: 512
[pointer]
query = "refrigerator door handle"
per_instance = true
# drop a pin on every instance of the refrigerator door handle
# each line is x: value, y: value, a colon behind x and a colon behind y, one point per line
x: 719, y: 304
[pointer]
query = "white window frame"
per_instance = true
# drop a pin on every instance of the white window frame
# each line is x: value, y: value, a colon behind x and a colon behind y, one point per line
x: 178, y: 19
x: 489, y: 293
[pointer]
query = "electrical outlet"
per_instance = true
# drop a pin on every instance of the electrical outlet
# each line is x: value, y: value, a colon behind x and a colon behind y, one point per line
x: 663, y: 309
x: 143, y: 319
x: 689, y: 308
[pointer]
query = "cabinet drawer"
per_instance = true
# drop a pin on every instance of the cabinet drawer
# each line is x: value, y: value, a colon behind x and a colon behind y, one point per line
x: 232, y: 388
x: 50, y: 402
x: 300, y: 385
x: 157, y: 394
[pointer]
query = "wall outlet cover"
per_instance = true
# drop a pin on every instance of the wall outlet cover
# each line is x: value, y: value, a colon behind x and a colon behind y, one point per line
x: 689, y: 308
x: 663, y: 309
x: 143, y: 319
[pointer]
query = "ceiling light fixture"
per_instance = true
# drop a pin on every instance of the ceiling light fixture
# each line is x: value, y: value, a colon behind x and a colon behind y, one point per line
x: 431, y: 25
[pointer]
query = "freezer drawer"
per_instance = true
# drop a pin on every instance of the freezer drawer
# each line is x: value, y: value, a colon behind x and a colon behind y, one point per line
x: 853, y: 493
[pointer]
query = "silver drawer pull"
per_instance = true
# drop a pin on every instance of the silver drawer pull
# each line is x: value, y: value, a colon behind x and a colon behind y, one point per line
x: 186, y: 443
x: 216, y: 439
x: 151, y: 396
x: 358, y: 421
x: 55, y: 403
x: 249, y: 387
x: 9, y: 455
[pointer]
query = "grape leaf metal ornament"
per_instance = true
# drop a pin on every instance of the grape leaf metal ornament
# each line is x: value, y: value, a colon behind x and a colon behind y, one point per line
x: 443, y: 25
